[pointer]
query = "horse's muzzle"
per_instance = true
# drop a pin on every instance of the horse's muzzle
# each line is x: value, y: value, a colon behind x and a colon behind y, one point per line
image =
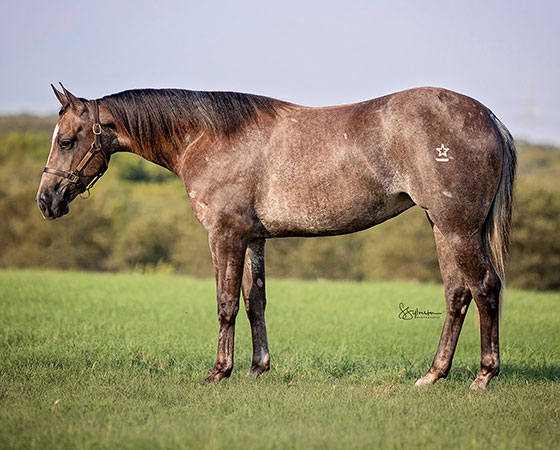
x: 52, y: 207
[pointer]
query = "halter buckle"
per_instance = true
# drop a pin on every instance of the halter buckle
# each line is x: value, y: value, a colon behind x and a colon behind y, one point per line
x: 96, y: 128
x: 73, y: 178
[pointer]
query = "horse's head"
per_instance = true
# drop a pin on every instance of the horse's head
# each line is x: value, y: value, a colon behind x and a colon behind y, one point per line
x: 79, y: 155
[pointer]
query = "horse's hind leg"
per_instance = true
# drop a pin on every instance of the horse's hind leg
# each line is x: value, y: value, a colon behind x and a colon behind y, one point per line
x: 457, y: 298
x: 485, y: 285
x: 253, y: 289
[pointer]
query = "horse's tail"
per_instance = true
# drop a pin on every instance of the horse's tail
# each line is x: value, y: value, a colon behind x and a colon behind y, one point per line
x: 496, y: 230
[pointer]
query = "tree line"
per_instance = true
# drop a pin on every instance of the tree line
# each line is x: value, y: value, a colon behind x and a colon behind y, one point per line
x: 139, y: 219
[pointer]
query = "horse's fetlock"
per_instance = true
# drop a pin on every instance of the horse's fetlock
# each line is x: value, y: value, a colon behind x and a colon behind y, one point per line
x: 440, y: 369
x: 261, y: 365
x: 223, y: 369
x: 490, y: 365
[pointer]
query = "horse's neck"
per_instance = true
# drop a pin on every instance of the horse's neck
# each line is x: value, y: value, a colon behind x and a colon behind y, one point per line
x: 167, y: 154
x: 166, y: 157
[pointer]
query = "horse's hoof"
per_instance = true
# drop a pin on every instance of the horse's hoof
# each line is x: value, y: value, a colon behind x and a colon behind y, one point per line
x: 208, y: 380
x: 214, y: 377
x: 479, y: 385
x: 257, y: 369
x: 427, y: 380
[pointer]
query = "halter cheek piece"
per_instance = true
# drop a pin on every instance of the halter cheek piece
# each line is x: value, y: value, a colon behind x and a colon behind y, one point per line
x: 77, y: 175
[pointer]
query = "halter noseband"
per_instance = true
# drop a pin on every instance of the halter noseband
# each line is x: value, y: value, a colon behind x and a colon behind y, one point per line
x: 76, y: 175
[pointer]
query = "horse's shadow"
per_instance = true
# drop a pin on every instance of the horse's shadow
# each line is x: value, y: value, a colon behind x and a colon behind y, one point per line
x: 515, y: 371
x: 547, y: 371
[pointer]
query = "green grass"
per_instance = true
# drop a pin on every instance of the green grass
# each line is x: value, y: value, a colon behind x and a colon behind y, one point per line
x: 114, y: 361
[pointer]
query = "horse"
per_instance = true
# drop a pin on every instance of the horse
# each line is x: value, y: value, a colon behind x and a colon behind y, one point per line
x: 256, y: 168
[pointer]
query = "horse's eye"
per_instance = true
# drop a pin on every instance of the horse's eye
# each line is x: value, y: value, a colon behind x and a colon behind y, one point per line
x: 66, y: 144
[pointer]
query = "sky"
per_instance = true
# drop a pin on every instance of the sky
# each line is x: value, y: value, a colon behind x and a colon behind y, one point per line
x: 506, y: 54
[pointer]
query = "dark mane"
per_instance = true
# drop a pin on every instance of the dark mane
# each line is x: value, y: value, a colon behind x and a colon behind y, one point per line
x: 152, y: 116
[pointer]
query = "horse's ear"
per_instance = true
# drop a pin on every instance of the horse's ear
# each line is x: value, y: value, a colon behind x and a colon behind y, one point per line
x: 60, y: 96
x: 74, y: 101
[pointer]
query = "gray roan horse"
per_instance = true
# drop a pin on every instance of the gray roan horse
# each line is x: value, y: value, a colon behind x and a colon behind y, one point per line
x: 257, y: 168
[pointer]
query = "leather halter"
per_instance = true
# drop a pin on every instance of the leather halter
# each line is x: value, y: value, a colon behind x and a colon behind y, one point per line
x: 77, y: 175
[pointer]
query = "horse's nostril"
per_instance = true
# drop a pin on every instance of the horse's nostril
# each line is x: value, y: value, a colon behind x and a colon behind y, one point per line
x: 45, y: 198
x: 44, y: 202
x: 42, y: 205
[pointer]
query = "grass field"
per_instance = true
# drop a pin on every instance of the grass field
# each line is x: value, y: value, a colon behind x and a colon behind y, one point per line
x: 114, y: 361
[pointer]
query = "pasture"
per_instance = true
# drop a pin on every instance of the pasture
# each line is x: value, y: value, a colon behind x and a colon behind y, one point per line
x: 114, y: 361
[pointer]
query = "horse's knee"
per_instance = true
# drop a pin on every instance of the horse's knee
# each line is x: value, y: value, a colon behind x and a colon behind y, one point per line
x: 228, y: 308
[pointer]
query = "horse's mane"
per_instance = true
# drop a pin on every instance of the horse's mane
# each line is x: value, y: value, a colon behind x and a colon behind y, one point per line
x: 152, y: 116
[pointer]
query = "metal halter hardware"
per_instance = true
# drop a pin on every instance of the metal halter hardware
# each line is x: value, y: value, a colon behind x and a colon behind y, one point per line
x: 76, y: 175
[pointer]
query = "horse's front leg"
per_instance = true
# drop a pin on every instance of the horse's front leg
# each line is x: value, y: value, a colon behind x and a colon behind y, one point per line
x: 228, y: 251
x: 255, y: 303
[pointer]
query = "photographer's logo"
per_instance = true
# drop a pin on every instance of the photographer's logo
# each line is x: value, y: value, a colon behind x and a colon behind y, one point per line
x: 407, y: 313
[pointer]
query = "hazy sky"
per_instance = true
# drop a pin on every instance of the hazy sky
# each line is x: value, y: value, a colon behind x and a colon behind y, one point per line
x: 504, y: 53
